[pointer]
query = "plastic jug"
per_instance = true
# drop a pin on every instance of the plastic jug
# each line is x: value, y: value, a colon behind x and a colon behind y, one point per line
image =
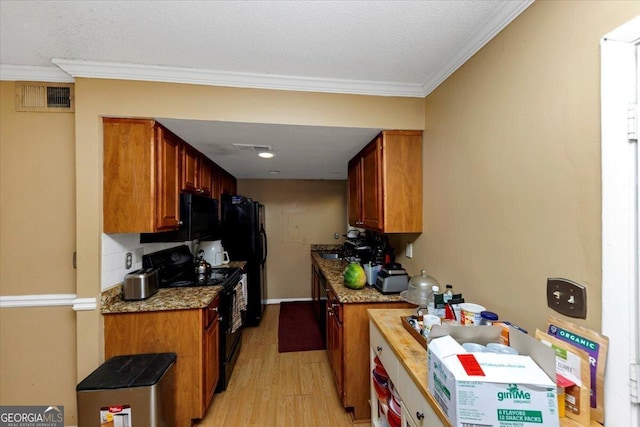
x: 211, y: 248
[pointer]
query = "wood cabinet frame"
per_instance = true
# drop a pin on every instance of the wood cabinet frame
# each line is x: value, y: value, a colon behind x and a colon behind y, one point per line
x: 385, y: 183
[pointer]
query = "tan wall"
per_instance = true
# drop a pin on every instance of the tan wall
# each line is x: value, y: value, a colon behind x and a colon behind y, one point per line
x: 298, y: 213
x: 512, y: 164
x: 37, y: 240
x: 96, y: 98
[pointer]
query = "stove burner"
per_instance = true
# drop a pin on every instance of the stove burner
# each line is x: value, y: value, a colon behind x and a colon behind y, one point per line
x: 181, y: 284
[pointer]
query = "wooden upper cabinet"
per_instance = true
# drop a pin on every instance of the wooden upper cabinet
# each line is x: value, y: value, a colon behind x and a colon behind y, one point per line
x: 190, y: 160
x: 140, y: 177
x: 167, y: 173
x: 196, y: 171
x: 229, y: 185
x: 385, y: 183
x: 205, y: 172
x: 354, y: 173
x: 371, y: 185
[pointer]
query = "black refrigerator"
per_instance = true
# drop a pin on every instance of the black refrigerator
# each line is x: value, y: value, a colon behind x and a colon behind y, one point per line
x: 245, y: 238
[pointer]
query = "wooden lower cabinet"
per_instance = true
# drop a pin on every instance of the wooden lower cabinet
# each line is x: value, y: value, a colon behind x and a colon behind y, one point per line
x: 352, y: 363
x: 192, y: 334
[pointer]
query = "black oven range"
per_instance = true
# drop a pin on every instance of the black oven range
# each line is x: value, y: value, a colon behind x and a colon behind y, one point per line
x: 176, y: 268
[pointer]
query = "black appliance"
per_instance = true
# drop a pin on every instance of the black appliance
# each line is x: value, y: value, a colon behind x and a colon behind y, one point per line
x: 245, y: 238
x: 176, y: 268
x: 198, y: 221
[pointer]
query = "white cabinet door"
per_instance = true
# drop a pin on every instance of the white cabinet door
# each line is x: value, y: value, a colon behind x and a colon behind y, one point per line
x: 384, y: 352
x: 415, y: 404
x: 407, y: 421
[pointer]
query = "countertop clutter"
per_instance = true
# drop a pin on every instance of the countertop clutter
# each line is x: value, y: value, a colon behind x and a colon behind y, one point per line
x: 412, y: 360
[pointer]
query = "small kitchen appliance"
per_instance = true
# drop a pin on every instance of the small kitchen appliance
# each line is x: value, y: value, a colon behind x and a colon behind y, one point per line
x: 391, y: 279
x: 214, y: 253
x: 140, y: 284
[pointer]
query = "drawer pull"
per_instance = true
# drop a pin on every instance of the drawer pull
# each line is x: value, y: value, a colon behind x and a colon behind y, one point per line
x: 379, y: 349
x: 420, y: 416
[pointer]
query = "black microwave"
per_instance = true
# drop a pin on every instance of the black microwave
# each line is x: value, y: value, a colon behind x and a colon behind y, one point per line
x: 199, y: 221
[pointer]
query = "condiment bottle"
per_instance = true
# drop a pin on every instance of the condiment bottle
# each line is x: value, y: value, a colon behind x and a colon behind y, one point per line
x: 448, y: 294
x: 431, y: 302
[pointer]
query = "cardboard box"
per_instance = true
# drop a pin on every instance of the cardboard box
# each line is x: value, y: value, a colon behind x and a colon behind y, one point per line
x: 492, y: 389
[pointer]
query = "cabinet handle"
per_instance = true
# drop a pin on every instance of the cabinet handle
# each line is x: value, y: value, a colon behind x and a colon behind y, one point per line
x: 180, y: 223
x: 213, y: 308
x: 379, y: 349
x: 420, y: 416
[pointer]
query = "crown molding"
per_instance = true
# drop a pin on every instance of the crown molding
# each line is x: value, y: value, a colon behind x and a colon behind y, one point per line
x: 68, y: 69
x: 503, y: 17
x: 34, y: 74
x: 154, y: 73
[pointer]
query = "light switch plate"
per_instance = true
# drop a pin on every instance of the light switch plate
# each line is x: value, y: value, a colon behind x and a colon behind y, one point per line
x: 567, y: 297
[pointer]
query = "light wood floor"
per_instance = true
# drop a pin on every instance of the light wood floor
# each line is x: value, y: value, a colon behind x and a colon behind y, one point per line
x: 270, y: 389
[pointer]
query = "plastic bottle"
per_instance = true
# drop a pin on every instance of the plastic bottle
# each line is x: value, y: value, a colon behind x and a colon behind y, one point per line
x: 431, y: 301
x: 448, y: 294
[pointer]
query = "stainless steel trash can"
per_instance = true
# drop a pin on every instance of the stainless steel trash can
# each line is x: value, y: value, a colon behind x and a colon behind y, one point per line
x: 129, y: 391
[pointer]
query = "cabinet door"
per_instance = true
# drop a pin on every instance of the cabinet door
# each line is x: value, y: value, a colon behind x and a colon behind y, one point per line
x: 372, y: 185
x: 334, y: 342
x: 354, y: 178
x: 204, y: 176
x: 211, y: 363
x: 167, y: 181
x: 228, y: 184
x: 190, y: 157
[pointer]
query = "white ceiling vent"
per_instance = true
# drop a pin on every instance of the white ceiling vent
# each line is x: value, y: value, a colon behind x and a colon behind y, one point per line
x: 251, y: 147
x: 40, y: 96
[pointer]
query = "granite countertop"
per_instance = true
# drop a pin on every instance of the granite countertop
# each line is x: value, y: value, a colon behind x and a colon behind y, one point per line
x: 111, y: 301
x: 197, y: 297
x: 332, y: 270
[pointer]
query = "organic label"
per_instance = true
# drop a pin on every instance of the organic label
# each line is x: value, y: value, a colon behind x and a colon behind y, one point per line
x: 592, y: 349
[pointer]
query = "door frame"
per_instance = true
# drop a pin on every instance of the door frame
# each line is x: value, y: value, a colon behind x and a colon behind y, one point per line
x: 620, y: 293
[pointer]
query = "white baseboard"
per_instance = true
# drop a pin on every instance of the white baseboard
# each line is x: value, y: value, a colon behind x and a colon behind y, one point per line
x: 278, y: 301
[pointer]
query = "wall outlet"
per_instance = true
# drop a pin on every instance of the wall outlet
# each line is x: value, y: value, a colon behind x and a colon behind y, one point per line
x: 336, y: 236
x: 409, y: 250
x: 567, y: 297
x: 128, y: 260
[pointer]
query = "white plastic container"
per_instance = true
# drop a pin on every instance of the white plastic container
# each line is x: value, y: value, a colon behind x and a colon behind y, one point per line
x: 470, y: 314
x: 372, y: 273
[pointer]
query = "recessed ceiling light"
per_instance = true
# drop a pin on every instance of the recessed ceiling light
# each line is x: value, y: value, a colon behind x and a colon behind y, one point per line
x: 265, y: 155
x: 274, y: 172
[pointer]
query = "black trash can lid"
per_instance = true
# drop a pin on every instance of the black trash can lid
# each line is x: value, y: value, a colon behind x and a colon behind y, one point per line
x: 136, y: 370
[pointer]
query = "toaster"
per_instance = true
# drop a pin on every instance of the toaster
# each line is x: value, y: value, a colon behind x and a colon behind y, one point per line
x: 392, y: 279
x: 140, y: 284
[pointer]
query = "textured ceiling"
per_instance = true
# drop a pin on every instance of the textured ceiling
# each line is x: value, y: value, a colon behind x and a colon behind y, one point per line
x: 389, y: 48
